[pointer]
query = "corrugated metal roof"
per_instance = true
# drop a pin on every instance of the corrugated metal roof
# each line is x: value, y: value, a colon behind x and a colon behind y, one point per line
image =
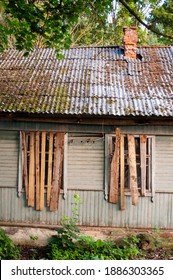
x: 91, y: 81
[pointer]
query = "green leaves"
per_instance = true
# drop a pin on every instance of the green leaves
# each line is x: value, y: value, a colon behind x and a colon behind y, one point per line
x: 43, y: 23
x: 25, y: 24
x: 8, y: 251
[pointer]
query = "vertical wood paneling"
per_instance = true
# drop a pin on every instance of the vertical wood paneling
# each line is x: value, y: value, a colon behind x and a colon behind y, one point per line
x: 31, y: 191
x: 122, y: 194
x: 57, y: 171
x: 37, y: 167
x: 42, y: 178
x: 114, y: 174
x: 143, y: 150
x: 50, y: 165
x: 132, y: 169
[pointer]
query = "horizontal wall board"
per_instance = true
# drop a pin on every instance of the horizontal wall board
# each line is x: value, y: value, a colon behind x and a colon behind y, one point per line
x: 48, y: 126
x: 102, y: 128
x: 164, y: 163
x: 9, y: 149
x: 85, y: 162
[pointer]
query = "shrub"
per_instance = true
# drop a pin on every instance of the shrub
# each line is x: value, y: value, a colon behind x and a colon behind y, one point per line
x: 8, y: 251
x: 87, y: 248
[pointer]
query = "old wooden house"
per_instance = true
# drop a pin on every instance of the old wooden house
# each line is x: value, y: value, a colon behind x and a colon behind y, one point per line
x: 98, y: 123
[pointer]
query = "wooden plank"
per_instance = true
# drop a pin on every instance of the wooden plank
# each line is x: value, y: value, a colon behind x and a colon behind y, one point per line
x: 143, y: 150
x: 37, y: 167
x: 153, y: 161
x: 42, y: 178
x: 133, y: 169
x: 65, y: 166
x: 122, y: 195
x: 114, y: 174
x: 31, y: 190
x: 57, y: 171
x: 50, y: 164
x: 25, y: 169
x: 20, y: 173
x: 108, y: 152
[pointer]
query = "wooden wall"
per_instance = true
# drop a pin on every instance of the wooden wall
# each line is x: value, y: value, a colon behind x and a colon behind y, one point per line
x: 94, y: 209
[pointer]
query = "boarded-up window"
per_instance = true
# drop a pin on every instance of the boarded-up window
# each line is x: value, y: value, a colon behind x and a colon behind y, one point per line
x: 42, y: 157
x: 135, y: 165
x: 85, y: 162
x: 143, y: 163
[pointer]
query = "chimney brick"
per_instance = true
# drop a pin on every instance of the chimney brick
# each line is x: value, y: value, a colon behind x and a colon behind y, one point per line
x: 130, y: 41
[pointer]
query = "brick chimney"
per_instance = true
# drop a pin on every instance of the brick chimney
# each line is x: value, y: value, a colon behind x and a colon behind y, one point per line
x: 130, y: 41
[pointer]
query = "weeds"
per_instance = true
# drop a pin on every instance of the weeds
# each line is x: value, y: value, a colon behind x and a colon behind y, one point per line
x: 33, y: 237
x: 8, y: 251
x: 70, y: 244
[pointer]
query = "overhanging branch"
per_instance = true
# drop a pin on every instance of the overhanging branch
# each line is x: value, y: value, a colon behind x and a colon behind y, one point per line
x: 142, y: 22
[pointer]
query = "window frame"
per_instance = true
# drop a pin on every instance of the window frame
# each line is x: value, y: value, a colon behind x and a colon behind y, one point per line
x: 108, y: 145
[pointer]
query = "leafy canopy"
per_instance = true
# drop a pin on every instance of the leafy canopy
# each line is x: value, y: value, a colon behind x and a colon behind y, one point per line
x: 153, y: 28
x: 33, y: 23
x: 25, y: 24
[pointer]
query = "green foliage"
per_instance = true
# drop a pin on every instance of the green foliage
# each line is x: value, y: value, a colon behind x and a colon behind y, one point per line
x: 33, y: 237
x: 44, y: 23
x: 87, y: 248
x: 25, y: 24
x: 161, y: 18
x: 69, y: 243
x: 91, y: 31
x: 69, y: 232
x: 8, y: 251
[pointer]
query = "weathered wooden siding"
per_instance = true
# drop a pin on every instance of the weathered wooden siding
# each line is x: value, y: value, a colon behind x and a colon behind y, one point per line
x: 35, y: 126
x: 93, y: 211
x: 9, y: 146
x: 164, y: 163
x: 85, y: 167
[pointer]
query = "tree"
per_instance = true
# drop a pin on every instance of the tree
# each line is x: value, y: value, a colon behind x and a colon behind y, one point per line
x: 30, y: 23
x: 90, y: 31
x: 26, y: 24
x: 158, y: 15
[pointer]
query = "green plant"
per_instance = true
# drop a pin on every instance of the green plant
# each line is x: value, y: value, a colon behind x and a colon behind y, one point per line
x: 157, y: 241
x: 130, y: 248
x: 69, y: 223
x: 70, y: 244
x: 67, y: 234
x: 8, y: 251
x: 33, y: 237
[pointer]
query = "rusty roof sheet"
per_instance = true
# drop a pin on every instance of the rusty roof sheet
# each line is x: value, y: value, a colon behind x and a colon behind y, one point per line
x: 88, y: 81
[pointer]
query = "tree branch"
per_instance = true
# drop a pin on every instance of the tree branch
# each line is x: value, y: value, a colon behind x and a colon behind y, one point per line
x: 142, y: 22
